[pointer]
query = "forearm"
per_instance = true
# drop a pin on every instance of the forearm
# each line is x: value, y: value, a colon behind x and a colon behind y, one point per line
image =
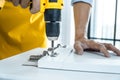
x: 81, y: 17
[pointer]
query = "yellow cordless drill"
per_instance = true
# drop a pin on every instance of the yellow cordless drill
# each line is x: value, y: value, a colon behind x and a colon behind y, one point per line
x: 52, y: 15
x: 52, y: 18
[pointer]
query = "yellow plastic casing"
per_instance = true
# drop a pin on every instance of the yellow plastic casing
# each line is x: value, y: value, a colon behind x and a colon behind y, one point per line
x: 45, y: 4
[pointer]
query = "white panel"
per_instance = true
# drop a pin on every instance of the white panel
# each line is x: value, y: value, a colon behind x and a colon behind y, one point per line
x: 91, y: 62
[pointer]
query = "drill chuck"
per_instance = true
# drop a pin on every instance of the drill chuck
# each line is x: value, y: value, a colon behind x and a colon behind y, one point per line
x: 52, y: 17
x: 52, y: 30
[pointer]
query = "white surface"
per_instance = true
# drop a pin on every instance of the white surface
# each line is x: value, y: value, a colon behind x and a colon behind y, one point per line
x: 93, y: 62
x: 12, y: 69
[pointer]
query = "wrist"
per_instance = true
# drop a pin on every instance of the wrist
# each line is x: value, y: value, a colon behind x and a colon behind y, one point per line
x: 80, y: 36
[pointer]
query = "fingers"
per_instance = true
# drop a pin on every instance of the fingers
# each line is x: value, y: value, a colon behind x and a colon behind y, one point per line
x: 24, y: 3
x: 78, y: 48
x: 103, y: 50
x: 35, y: 6
x: 85, y: 44
x: 15, y: 2
x: 112, y: 48
x: 98, y: 46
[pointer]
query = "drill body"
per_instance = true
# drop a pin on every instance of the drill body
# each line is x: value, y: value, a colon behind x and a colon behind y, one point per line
x: 52, y: 16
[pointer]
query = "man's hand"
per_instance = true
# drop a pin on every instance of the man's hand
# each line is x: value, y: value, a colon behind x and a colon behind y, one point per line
x: 26, y: 3
x: 81, y: 16
x: 84, y: 44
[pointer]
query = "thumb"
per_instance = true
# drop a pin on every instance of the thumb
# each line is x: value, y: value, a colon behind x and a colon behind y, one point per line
x: 35, y: 6
x: 78, y: 48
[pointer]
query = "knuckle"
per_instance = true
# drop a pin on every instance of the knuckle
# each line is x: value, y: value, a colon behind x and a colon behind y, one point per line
x: 35, y: 10
x: 101, y: 46
x: 24, y: 3
x: 15, y: 4
x: 110, y: 45
x: 23, y: 6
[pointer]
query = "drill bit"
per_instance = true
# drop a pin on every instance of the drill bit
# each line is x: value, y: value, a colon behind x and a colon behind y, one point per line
x: 52, y: 45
